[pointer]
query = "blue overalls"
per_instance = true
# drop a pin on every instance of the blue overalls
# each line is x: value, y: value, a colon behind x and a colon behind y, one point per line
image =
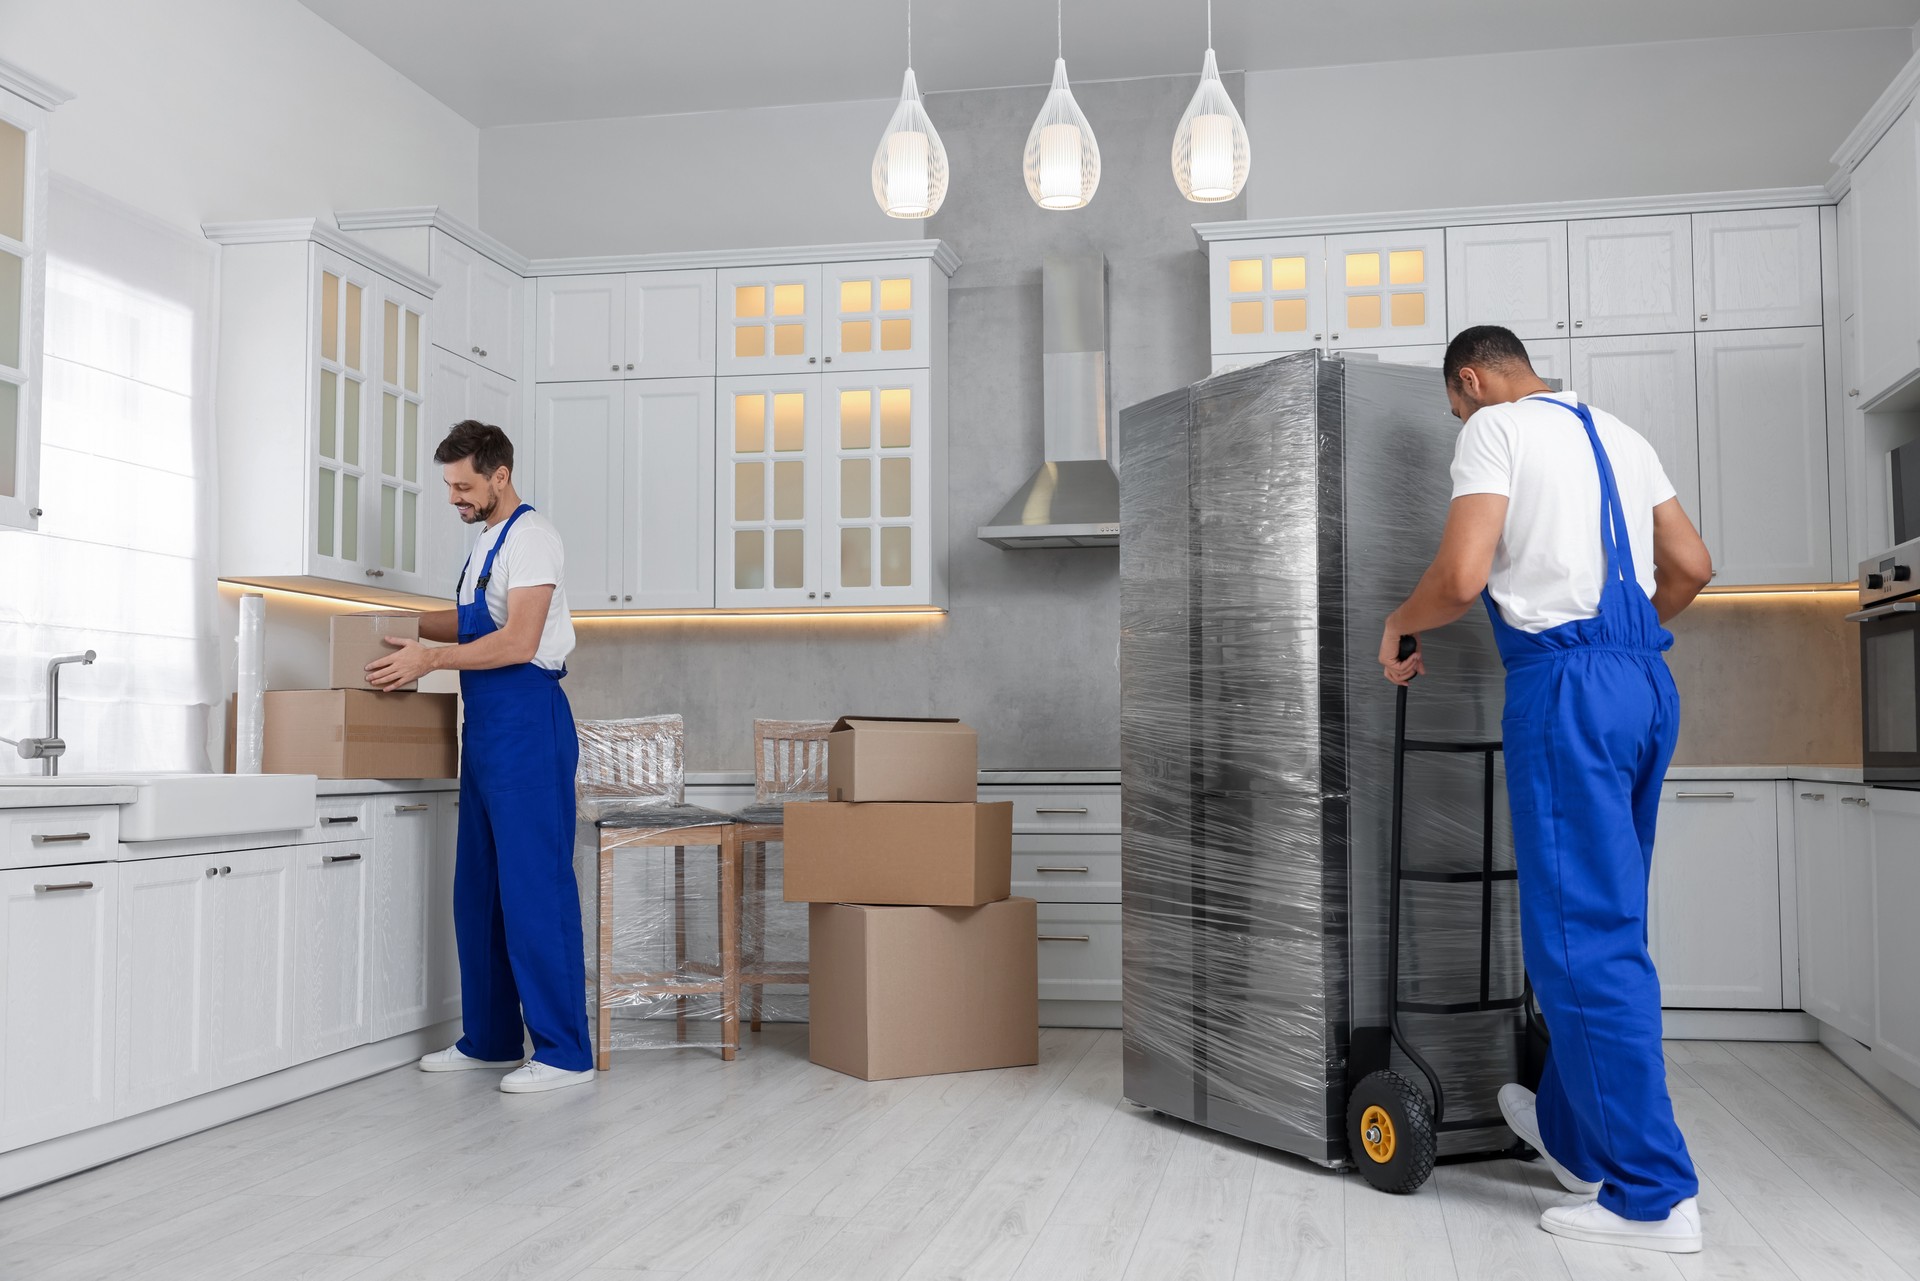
x: 1591, y: 720
x: 516, y: 906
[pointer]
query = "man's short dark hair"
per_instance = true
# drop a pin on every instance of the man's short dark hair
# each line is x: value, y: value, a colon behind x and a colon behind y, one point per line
x: 486, y: 445
x: 1484, y: 347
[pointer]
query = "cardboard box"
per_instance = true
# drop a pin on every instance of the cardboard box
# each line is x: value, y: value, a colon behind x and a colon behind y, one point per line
x: 881, y: 758
x: 352, y: 733
x: 936, y: 854
x: 910, y: 991
x: 354, y: 640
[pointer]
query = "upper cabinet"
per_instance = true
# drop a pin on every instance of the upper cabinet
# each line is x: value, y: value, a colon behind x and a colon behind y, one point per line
x: 24, y: 108
x: 1269, y: 295
x: 1630, y: 275
x: 1757, y: 269
x: 1886, y: 209
x: 581, y: 328
x: 1360, y: 291
x: 642, y: 324
x: 877, y: 315
x: 1513, y: 275
x: 478, y: 311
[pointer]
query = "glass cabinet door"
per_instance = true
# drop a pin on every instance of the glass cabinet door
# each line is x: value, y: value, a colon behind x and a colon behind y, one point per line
x: 343, y: 438
x: 876, y: 315
x: 769, y: 320
x: 1268, y: 295
x: 767, y: 514
x: 22, y: 271
x: 1387, y: 290
x: 402, y: 466
x: 877, y: 490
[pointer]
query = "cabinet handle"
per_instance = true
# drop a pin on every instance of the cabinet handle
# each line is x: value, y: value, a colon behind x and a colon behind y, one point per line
x: 478, y: 352
x: 829, y: 595
x: 813, y: 360
x: 1319, y: 337
x: 1579, y: 324
x: 1061, y: 809
x: 1335, y: 338
x: 1703, y: 315
x: 1705, y: 796
x: 615, y: 368
x: 810, y: 595
x: 226, y: 871
x: 1066, y: 938
x: 56, y: 889
x: 1559, y: 324
x: 62, y: 838
x: 829, y: 360
x: 1813, y: 796
x: 1854, y: 392
x: 1081, y: 870
x: 1861, y: 801
x: 629, y: 598
x: 629, y: 366
x: 339, y: 858
x: 336, y: 820
x: 412, y: 809
x: 614, y: 599
x: 212, y: 872
x: 376, y: 573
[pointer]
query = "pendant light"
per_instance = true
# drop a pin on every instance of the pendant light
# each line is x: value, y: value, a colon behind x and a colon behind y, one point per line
x: 1062, y: 159
x: 1211, y: 153
x: 910, y: 167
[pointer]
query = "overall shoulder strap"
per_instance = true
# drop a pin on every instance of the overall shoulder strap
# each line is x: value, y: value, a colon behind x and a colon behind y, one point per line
x: 486, y: 567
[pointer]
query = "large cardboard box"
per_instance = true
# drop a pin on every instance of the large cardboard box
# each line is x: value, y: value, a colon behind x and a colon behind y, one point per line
x: 881, y: 758
x: 353, y: 733
x: 936, y: 854
x: 354, y: 640
x: 910, y: 991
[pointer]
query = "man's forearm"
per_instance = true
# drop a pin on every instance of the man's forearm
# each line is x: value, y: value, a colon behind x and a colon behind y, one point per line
x: 441, y: 625
x: 496, y: 649
x: 1672, y: 593
x: 1432, y: 605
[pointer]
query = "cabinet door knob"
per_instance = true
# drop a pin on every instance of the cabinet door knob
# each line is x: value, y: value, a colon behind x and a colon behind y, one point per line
x: 829, y: 360
x: 629, y: 598
x: 376, y: 573
x: 1703, y: 315
x: 810, y: 595
x: 212, y: 872
x: 614, y: 598
x: 483, y: 351
x: 615, y: 368
x: 1579, y: 324
x: 1335, y: 338
x: 829, y: 595
x: 1319, y: 338
x: 1559, y: 324
x: 478, y: 352
x: 629, y: 364
x: 1854, y: 392
x: 226, y: 871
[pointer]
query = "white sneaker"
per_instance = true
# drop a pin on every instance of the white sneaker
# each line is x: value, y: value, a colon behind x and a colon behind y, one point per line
x: 536, y: 1076
x: 451, y: 1060
x: 1517, y: 1104
x: 1678, y: 1233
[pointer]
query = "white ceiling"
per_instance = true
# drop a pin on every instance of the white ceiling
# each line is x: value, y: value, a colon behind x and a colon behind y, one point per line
x: 500, y: 62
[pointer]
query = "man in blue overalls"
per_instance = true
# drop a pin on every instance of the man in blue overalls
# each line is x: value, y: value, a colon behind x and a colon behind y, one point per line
x: 516, y: 906
x: 1564, y: 521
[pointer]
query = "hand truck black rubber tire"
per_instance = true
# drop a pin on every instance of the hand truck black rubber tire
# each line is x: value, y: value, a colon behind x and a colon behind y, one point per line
x: 1390, y: 1132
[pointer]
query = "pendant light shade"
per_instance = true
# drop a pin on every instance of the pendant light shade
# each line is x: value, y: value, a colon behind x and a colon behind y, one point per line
x: 910, y: 166
x: 1062, y: 159
x: 1211, y: 153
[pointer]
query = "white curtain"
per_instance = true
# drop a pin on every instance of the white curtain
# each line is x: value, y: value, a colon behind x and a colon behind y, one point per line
x: 123, y: 561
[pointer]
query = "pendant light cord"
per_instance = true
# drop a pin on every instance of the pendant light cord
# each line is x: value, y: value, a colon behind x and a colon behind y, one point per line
x: 910, y: 29
x: 1059, y: 30
x: 1209, y: 24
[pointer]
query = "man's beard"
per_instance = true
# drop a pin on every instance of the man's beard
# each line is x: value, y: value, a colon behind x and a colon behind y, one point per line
x: 482, y: 513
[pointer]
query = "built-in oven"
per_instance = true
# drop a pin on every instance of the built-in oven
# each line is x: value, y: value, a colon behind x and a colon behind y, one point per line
x: 1889, y: 619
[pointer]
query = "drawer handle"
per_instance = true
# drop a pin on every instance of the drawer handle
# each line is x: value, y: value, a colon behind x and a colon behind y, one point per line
x: 1080, y: 870
x: 339, y: 858
x: 341, y: 818
x: 1705, y: 796
x: 62, y: 838
x: 411, y: 809
x: 1066, y: 938
x: 1081, y: 809
x: 1861, y: 801
x: 56, y: 889
x: 1813, y: 796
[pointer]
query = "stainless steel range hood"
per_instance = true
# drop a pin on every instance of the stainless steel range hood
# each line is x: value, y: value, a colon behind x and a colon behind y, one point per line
x: 1074, y: 499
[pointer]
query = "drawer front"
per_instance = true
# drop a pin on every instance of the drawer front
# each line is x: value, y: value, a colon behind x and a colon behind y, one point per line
x: 49, y: 837
x: 1079, y: 952
x: 343, y: 818
x: 1055, y: 868
x: 1093, y: 808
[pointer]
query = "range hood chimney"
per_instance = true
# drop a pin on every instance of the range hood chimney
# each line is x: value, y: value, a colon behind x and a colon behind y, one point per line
x: 1074, y: 499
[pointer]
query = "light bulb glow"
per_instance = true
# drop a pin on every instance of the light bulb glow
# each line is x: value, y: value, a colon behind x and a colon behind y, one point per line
x: 1062, y: 160
x: 910, y: 165
x: 1211, y: 152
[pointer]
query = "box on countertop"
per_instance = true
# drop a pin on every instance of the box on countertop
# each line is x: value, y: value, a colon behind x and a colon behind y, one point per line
x: 911, y: 991
x: 354, y: 733
x: 922, y: 854
x: 882, y: 758
x: 354, y: 640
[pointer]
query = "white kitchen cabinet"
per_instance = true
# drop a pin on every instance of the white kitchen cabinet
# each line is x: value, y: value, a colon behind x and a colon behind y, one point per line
x: 1432, y: 356
x: 400, y: 884
x: 1386, y: 289
x: 770, y: 320
x: 1896, y: 889
x: 478, y: 311
x: 1833, y: 846
x: 643, y: 324
x: 1886, y: 209
x: 23, y: 270
x: 580, y: 328
x: 58, y: 933
x: 1763, y: 455
x: 254, y: 987
x: 670, y: 324
x: 1630, y: 275
x: 1268, y: 296
x: 877, y: 315
x: 331, y: 905
x: 1757, y: 269
x: 407, y: 480
x: 1714, y: 909
x: 583, y: 485
x: 1647, y: 382
x: 443, y: 950
x: 1513, y: 275
x: 1553, y: 358
x: 460, y: 389
x: 1079, y: 952
x: 877, y: 492
x: 769, y: 493
x: 163, y: 996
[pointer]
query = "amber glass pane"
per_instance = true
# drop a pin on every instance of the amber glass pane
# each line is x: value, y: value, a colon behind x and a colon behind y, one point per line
x: 413, y: 351
x: 1289, y: 274
x: 789, y: 558
x: 1407, y: 267
x: 390, y: 347
x: 789, y: 491
x: 349, y: 517
x: 896, y: 418
x: 9, y: 440
x: 749, y: 301
x: 856, y: 419
x: 856, y: 557
x: 896, y: 556
x: 13, y: 182
x: 409, y: 530
x: 389, y: 524
x: 1245, y: 275
x: 896, y: 488
x: 789, y: 300
x: 329, y: 319
x: 789, y: 340
x: 350, y: 422
x: 750, y: 424
x: 350, y: 352
x: 896, y: 335
x: 789, y: 422
x: 896, y: 294
x: 13, y: 286
x: 323, y: 511
x: 1363, y: 311
x: 856, y: 335
x: 856, y: 295
x: 329, y: 414
x: 856, y: 488
x: 1248, y: 317
x: 1289, y: 315
x: 389, y: 434
x: 749, y: 559
x: 1409, y: 309
x: 749, y: 491
x: 410, y: 445
x: 749, y: 340
x: 1362, y: 270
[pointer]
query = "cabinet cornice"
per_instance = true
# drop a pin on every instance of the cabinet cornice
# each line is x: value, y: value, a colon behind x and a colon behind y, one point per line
x: 282, y: 230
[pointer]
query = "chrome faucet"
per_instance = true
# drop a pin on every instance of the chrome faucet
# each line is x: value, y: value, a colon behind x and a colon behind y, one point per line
x: 49, y: 749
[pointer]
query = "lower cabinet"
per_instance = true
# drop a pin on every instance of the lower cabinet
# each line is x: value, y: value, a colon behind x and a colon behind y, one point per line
x: 401, y: 881
x: 1833, y: 849
x: 442, y: 951
x: 164, y: 993
x: 1080, y: 952
x: 1896, y: 890
x: 333, y: 894
x: 57, y: 940
x: 1714, y: 911
x: 253, y: 914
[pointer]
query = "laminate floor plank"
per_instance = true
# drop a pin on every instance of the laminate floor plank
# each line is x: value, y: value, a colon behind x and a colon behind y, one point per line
x: 1491, y: 1223
x: 882, y: 1241
x: 1296, y: 1222
x: 1859, y: 1116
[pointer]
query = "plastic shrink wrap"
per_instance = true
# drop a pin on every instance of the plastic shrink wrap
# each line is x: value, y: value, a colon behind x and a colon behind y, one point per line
x: 1271, y: 518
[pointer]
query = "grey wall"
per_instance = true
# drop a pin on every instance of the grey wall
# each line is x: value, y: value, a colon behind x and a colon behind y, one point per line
x: 1027, y: 653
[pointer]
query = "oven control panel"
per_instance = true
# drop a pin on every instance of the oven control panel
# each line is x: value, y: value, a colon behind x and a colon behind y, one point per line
x: 1890, y: 575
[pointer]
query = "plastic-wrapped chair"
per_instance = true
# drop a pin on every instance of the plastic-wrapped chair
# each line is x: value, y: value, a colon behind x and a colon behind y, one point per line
x: 789, y: 764
x: 632, y: 786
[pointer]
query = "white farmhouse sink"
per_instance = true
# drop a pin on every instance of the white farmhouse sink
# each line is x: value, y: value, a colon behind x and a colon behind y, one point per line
x: 174, y: 806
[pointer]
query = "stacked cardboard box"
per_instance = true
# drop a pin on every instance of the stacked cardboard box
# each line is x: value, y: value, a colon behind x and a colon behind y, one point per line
x: 352, y: 730
x: 920, y: 962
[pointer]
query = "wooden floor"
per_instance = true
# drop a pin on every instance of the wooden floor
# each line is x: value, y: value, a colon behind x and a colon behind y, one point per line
x: 677, y: 1165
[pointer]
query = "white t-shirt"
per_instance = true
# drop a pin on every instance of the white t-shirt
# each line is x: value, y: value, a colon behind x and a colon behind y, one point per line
x: 532, y: 557
x: 1549, y: 565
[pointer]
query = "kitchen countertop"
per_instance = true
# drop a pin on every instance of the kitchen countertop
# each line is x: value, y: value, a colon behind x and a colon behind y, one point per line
x: 24, y: 796
x: 1836, y: 774
x: 382, y: 786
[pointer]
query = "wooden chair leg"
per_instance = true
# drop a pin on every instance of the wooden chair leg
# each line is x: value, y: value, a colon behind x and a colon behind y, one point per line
x: 757, y: 913
x: 603, y: 1015
x: 680, y: 937
x: 729, y: 945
